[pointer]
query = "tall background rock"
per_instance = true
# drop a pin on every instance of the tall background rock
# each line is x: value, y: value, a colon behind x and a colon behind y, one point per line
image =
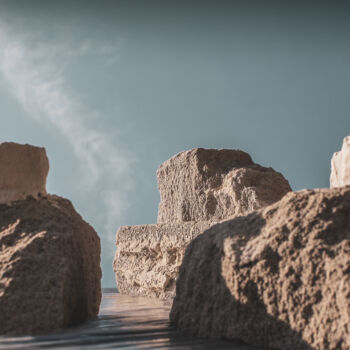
x: 340, y: 173
x: 278, y: 277
x: 210, y: 184
x: 198, y: 188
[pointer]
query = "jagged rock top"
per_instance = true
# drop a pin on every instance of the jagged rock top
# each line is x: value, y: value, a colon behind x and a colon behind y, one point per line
x: 23, y: 171
x: 210, y: 160
x: 214, y: 184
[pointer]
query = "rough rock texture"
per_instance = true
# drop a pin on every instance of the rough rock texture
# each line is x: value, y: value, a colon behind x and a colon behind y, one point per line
x: 23, y: 171
x: 279, y: 277
x: 210, y: 184
x: 149, y: 256
x: 198, y: 188
x: 340, y: 173
x: 49, y: 266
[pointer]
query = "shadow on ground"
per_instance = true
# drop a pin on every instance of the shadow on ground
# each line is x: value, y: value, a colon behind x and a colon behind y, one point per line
x: 124, y: 322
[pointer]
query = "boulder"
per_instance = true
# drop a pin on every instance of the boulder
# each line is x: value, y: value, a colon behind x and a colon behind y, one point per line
x: 198, y: 188
x: 49, y: 266
x: 23, y: 171
x: 278, y: 277
x: 340, y: 173
x: 211, y: 184
x: 148, y: 258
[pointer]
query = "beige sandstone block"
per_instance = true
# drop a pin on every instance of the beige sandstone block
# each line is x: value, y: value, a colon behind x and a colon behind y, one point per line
x: 210, y: 184
x: 23, y: 171
x: 149, y: 256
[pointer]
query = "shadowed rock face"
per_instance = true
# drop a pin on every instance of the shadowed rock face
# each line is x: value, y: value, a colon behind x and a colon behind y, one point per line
x: 210, y: 184
x: 148, y: 258
x: 49, y: 266
x: 340, y: 173
x: 23, y: 171
x: 278, y: 277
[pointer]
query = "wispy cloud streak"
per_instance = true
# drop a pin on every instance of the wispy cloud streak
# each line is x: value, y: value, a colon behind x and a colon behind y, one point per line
x: 36, y: 80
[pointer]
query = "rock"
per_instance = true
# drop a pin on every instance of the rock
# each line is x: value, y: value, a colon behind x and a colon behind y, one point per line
x: 279, y: 277
x: 198, y: 188
x: 23, y: 171
x: 210, y: 184
x: 340, y: 173
x: 149, y: 256
x: 49, y: 264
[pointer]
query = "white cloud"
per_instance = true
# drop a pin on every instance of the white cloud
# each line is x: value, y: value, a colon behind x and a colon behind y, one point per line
x: 30, y: 70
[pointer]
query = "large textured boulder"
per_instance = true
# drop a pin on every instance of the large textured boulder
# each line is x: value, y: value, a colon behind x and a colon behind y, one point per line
x: 198, y: 188
x: 49, y: 266
x: 148, y: 258
x: 210, y: 184
x: 279, y: 277
x: 23, y: 171
x: 340, y: 173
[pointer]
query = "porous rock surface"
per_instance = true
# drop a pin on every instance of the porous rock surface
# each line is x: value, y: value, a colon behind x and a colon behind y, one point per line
x: 23, y: 171
x: 211, y: 184
x: 148, y: 257
x: 340, y: 172
x: 198, y: 188
x: 279, y: 277
x: 49, y: 266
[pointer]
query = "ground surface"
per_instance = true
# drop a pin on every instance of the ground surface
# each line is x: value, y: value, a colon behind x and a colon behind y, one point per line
x: 124, y: 323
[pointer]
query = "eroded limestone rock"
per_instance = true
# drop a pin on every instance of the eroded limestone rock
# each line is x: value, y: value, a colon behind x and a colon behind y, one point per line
x: 23, y: 171
x: 278, y: 277
x: 210, y: 184
x: 149, y: 256
x: 340, y: 173
x: 49, y: 266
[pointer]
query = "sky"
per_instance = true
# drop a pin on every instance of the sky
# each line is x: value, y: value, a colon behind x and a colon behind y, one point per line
x: 112, y: 89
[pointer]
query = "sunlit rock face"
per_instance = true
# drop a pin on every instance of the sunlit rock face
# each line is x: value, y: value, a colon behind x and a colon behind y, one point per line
x: 198, y: 188
x: 49, y: 266
x: 23, y: 171
x: 340, y: 172
x: 148, y: 257
x: 211, y: 184
x: 278, y: 277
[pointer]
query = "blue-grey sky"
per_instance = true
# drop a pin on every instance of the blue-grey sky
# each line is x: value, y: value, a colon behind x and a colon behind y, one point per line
x: 114, y: 88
